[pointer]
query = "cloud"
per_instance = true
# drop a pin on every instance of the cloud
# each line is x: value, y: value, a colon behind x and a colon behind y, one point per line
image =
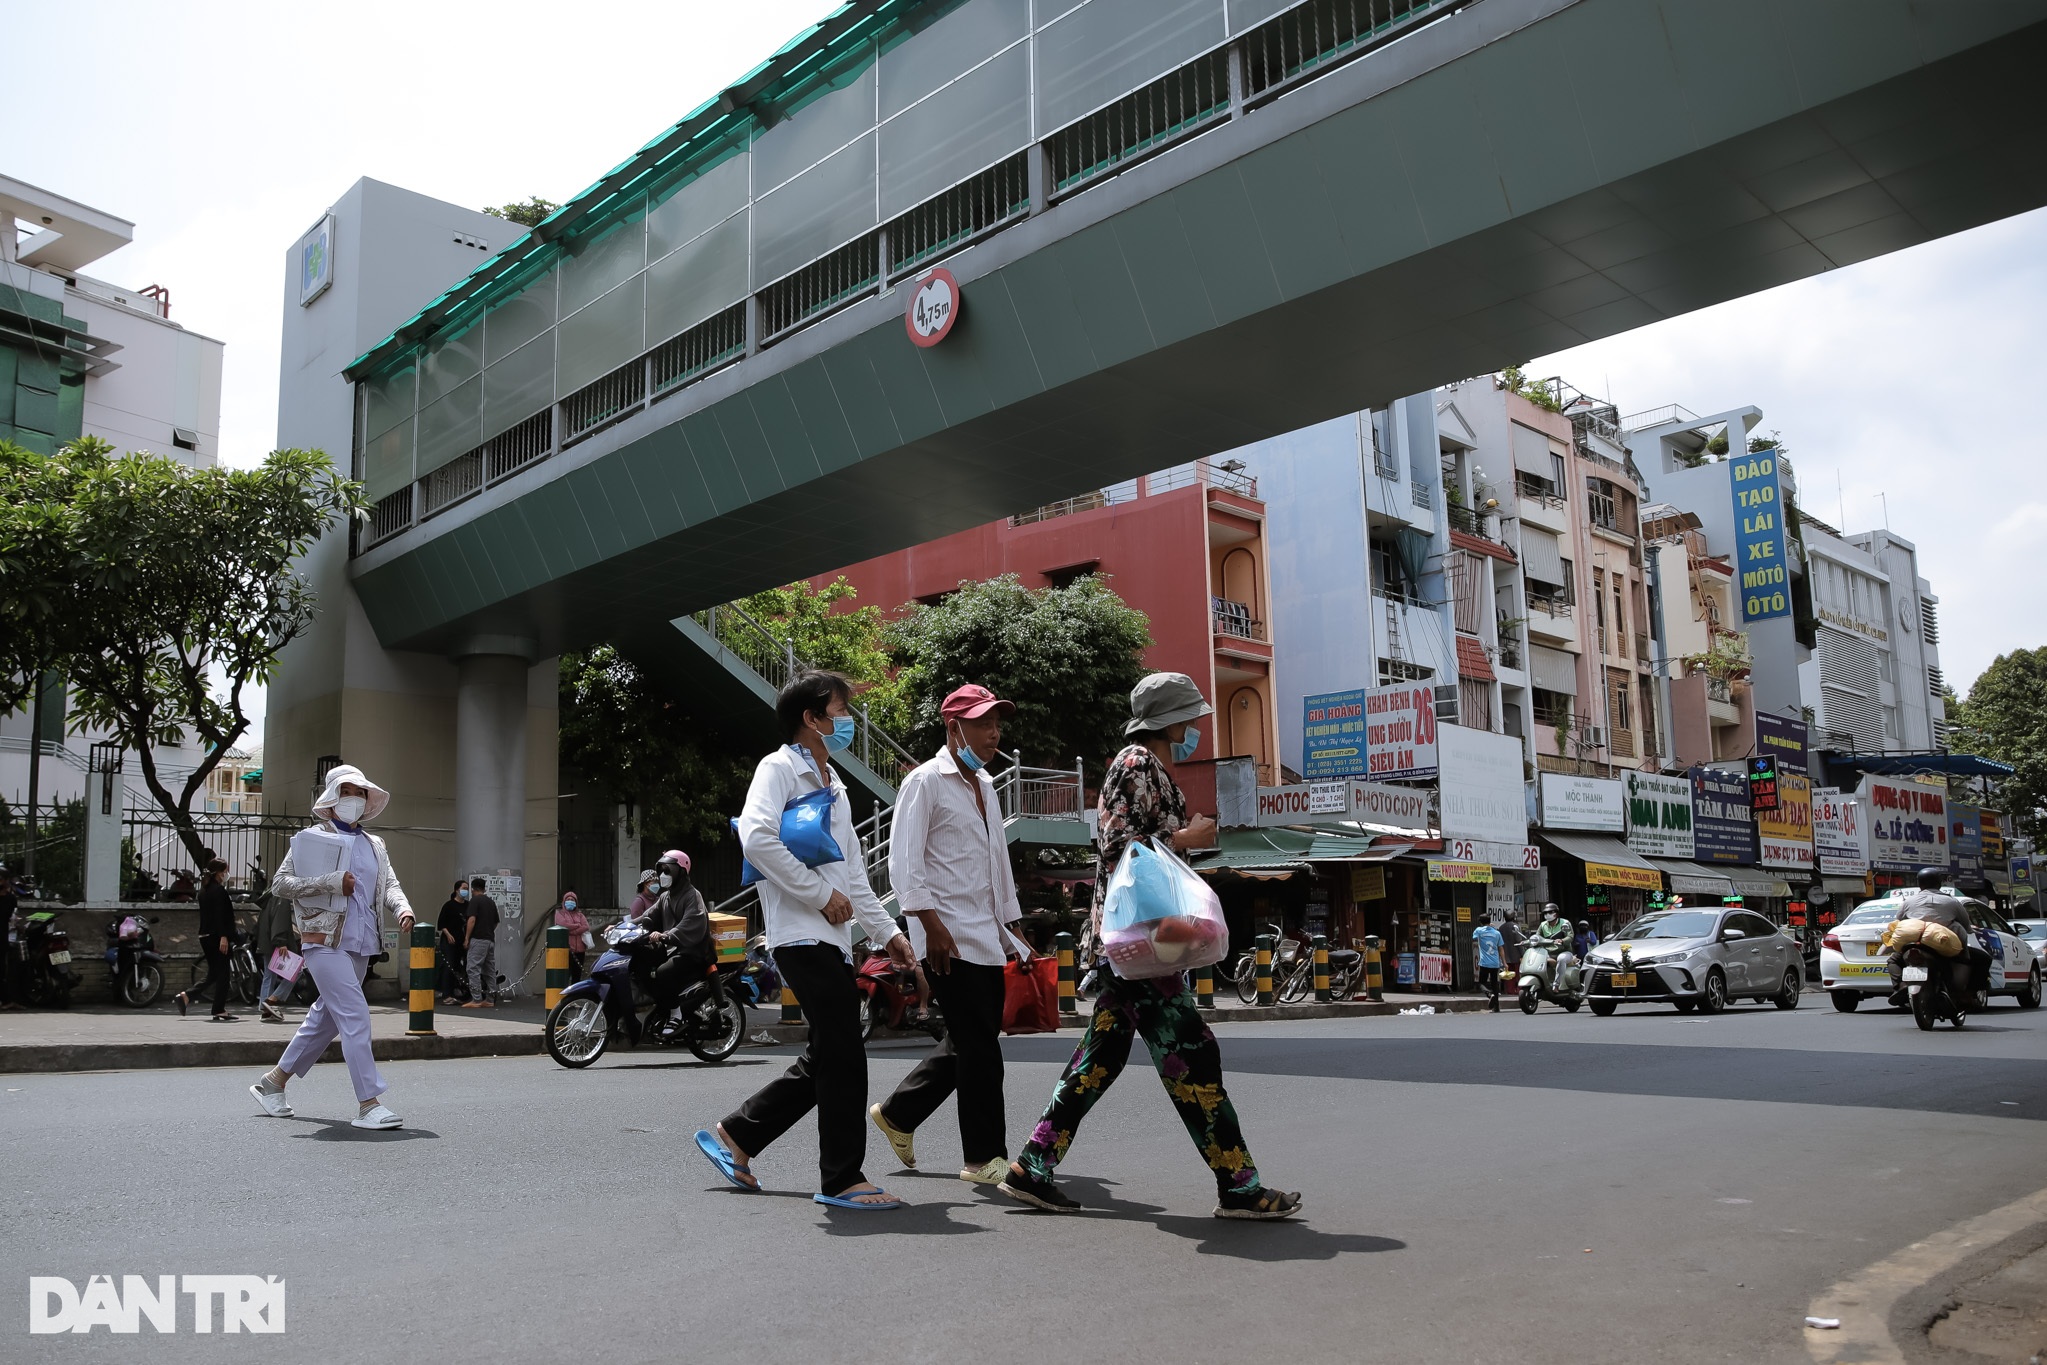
x: 1906, y: 390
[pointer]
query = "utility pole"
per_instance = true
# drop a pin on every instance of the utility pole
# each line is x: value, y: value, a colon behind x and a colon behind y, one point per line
x: 35, y: 773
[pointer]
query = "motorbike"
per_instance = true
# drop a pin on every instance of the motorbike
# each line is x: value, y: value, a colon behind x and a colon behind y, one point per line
x: 707, y: 1019
x: 889, y: 998
x: 1544, y: 976
x: 47, y: 979
x: 132, y: 957
x: 1931, y: 984
x: 758, y: 984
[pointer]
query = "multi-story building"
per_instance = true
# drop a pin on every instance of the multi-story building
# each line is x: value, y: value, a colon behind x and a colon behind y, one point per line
x: 1702, y: 655
x: 1914, y: 628
x: 83, y: 357
x: 1186, y: 546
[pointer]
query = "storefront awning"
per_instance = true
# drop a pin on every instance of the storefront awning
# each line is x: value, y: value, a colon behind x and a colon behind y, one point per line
x: 1748, y: 882
x: 1283, y: 852
x: 1693, y: 879
x: 1608, y: 862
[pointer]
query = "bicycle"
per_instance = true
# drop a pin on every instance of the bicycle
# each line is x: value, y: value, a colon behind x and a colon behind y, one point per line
x: 245, y: 977
x: 1287, y: 954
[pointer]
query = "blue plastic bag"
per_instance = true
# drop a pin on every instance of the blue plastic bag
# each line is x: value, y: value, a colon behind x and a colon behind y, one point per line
x: 806, y: 832
x: 1142, y: 888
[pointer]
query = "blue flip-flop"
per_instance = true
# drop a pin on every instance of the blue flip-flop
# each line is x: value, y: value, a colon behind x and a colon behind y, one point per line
x: 729, y: 1166
x: 841, y: 1202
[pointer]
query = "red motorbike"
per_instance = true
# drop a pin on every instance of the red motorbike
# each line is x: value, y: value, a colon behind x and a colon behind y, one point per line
x: 889, y: 998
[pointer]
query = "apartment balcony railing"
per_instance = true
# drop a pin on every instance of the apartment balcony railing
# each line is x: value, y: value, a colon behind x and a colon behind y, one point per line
x: 1556, y: 605
x: 1537, y: 490
x: 1234, y: 620
x: 1599, y: 507
x: 1083, y: 502
x: 1510, y: 653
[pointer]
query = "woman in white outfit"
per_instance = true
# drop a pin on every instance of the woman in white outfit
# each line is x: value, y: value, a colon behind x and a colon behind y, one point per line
x: 338, y: 946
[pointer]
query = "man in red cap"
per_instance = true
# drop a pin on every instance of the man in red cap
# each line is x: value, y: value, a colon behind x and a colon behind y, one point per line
x: 949, y: 863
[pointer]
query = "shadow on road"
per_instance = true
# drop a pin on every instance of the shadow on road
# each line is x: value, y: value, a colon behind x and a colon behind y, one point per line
x: 1285, y: 1240
x: 341, y: 1130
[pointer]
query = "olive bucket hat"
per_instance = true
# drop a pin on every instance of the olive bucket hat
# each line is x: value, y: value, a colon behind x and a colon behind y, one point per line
x: 1162, y: 700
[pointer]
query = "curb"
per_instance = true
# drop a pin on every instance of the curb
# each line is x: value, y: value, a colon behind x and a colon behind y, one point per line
x: 251, y: 1052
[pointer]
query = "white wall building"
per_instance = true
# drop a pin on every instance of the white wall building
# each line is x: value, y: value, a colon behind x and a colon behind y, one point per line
x: 1874, y: 681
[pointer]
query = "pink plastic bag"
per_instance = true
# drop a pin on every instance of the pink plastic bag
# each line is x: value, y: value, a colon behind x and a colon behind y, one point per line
x: 1183, y: 932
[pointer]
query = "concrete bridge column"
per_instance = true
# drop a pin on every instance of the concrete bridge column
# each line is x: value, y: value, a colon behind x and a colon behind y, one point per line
x: 490, y: 780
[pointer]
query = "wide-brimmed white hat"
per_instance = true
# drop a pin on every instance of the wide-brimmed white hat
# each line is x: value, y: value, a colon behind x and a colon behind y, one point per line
x: 347, y: 773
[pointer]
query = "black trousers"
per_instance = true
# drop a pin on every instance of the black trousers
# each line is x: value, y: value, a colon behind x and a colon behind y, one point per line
x: 1489, y: 982
x: 217, y: 974
x: 830, y: 1076
x: 454, y: 976
x: 968, y: 1061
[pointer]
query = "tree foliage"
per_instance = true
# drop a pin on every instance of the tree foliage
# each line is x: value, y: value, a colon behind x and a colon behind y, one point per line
x: 2005, y: 718
x: 1067, y: 657
x: 638, y: 748
x: 163, y: 593
x: 529, y: 214
x: 826, y: 631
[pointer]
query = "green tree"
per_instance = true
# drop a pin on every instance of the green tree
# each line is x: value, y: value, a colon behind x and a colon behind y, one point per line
x: 2005, y: 718
x: 529, y: 214
x: 827, y: 631
x: 636, y: 747
x: 1067, y: 657
x: 174, y: 589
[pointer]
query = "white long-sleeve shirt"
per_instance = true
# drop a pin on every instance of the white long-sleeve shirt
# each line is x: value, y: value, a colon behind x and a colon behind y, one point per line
x: 793, y: 896
x: 948, y: 853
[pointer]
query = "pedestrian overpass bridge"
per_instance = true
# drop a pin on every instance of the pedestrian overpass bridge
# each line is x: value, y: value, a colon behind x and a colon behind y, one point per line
x: 1178, y: 226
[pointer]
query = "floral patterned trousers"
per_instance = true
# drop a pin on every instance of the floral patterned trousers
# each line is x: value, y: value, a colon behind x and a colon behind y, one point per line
x: 1188, y: 1061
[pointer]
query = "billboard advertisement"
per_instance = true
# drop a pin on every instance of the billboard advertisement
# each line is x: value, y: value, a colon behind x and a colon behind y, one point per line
x: 1659, y: 815
x: 1481, y: 785
x: 1759, y: 549
x: 1908, y: 826
x: 1400, y: 731
x: 1784, y: 835
x: 1723, y: 827
x: 1594, y: 803
x: 1333, y: 734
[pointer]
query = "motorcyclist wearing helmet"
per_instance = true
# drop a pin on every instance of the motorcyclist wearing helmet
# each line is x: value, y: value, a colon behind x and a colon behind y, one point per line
x: 1584, y: 940
x: 1929, y: 902
x: 681, y: 925
x: 1554, y: 933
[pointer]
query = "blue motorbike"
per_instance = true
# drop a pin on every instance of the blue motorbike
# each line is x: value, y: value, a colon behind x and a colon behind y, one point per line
x: 709, y: 1017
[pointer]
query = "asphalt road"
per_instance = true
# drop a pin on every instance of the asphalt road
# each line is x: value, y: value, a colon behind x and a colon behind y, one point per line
x: 1479, y: 1188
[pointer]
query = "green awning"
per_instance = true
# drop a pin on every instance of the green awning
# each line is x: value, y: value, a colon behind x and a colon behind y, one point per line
x: 1290, y: 850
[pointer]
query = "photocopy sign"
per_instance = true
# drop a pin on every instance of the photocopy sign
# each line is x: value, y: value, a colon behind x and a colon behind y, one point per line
x: 1371, y: 803
x: 1759, y: 548
x: 1333, y: 734
x: 1659, y: 815
x: 1400, y: 731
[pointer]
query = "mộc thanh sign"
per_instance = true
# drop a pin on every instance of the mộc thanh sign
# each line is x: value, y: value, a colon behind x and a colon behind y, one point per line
x: 933, y: 306
x: 1372, y: 803
x: 1659, y: 815
x: 1400, y: 731
x: 1908, y: 825
x: 1333, y: 734
x: 1588, y: 803
x: 1759, y: 545
x: 1723, y: 826
x: 1840, y: 837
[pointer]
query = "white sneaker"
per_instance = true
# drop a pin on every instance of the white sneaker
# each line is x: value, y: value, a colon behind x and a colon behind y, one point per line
x: 994, y: 1173
x: 379, y: 1117
x: 273, y: 1101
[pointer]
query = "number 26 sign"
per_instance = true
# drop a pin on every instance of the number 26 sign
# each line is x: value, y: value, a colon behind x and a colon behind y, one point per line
x: 933, y: 307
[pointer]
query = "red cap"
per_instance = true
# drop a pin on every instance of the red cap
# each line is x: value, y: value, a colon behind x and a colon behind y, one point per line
x: 972, y: 702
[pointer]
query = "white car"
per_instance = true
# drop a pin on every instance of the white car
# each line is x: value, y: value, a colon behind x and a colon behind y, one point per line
x: 1853, y: 963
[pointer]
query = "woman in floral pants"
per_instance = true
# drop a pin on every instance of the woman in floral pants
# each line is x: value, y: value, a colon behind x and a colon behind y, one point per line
x: 1140, y: 800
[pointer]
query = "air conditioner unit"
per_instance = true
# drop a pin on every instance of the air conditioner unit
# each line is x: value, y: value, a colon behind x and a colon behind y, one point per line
x: 1595, y: 738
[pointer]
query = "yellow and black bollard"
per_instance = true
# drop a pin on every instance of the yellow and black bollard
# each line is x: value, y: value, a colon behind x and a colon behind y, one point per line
x: 1263, y: 964
x: 1069, y: 1006
x: 791, y: 1013
x: 420, y: 988
x: 1322, y: 995
x: 1375, y: 981
x: 1204, y: 988
x: 557, y: 965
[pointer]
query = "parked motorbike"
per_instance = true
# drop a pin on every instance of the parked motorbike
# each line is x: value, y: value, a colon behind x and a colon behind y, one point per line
x: 142, y: 886
x: 132, y: 957
x: 757, y: 984
x: 1936, y: 986
x: 889, y: 997
x: 47, y: 979
x: 707, y: 1019
x: 1556, y: 978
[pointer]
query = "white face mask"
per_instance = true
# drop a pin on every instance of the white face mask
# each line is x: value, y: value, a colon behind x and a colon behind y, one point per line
x: 666, y: 881
x: 348, y: 809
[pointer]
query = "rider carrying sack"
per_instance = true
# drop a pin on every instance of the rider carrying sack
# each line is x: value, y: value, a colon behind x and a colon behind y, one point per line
x: 1943, y: 927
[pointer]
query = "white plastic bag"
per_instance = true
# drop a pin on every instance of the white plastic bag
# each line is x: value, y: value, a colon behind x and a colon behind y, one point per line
x: 1159, y: 917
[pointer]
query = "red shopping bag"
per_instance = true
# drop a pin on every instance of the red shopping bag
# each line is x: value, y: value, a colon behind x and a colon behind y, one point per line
x: 1030, y: 996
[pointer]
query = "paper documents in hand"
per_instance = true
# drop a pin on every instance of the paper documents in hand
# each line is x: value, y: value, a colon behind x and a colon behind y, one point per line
x: 314, y: 854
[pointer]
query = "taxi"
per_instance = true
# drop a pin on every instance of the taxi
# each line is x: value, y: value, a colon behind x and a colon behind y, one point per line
x: 1854, y: 966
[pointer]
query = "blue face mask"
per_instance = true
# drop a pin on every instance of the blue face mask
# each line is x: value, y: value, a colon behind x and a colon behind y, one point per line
x: 841, y: 737
x: 968, y: 759
x: 569, y: 904
x: 1184, y: 750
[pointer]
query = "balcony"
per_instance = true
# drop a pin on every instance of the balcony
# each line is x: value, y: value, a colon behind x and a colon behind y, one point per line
x: 1553, y: 605
x: 1509, y: 652
x: 1719, y: 689
x: 1234, y: 621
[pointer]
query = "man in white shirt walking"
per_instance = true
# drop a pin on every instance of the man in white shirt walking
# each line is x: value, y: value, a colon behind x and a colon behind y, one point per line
x: 809, y: 908
x: 949, y: 863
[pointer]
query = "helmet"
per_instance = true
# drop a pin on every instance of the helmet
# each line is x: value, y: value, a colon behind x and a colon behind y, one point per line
x: 678, y: 857
x: 1550, y: 909
x: 1930, y: 878
x: 1584, y: 926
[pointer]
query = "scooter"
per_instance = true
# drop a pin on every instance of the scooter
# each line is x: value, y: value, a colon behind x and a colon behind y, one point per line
x: 136, y: 964
x: 1931, y: 987
x: 1544, y: 977
x: 46, y: 975
x: 708, y: 1020
x: 889, y: 998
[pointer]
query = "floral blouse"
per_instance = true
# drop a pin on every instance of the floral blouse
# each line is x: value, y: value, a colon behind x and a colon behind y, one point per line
x: 1140, y: 800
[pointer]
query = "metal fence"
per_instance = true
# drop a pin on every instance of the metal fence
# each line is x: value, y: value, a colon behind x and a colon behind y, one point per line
x: 153, y: 852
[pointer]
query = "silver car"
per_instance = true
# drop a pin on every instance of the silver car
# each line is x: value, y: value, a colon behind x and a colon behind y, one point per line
x: 1696, y: 959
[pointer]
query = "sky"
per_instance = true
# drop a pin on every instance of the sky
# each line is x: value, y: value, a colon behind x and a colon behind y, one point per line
x: 223, y: 130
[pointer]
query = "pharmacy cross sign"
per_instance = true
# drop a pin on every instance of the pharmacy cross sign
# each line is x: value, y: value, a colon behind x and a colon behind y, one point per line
x: 933, y: 307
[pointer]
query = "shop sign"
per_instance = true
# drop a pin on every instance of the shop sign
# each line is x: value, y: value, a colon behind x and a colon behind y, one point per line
x: 1659, y: 815
x: 1464, y: 914
x: 1400, y: 731
x: 1367, y: 884
x: 1839, y: 836
x: 1404, y: 969
x: 1785, y: 739
x: 1370, y: 802
x: 1521, y: 857
x: 1375, y: 803
x: 1759, y: 550
x: 1992, y: 825
x: 1908, y: 825
x: 1590, y: 803
x: 1435, y: 969
x: 1762, y: 782
x: 2022, y: 872
x: 1483, y: 790
x: 1723, y: 828
x: 1443, y: 870
x: 1784, y: 835
x: 1965, y: 840
x: 1499, y: 897
x: 1856, y: 624
x: 1636, y: 878
x: 933, y: 307
x: 1333, y: 734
